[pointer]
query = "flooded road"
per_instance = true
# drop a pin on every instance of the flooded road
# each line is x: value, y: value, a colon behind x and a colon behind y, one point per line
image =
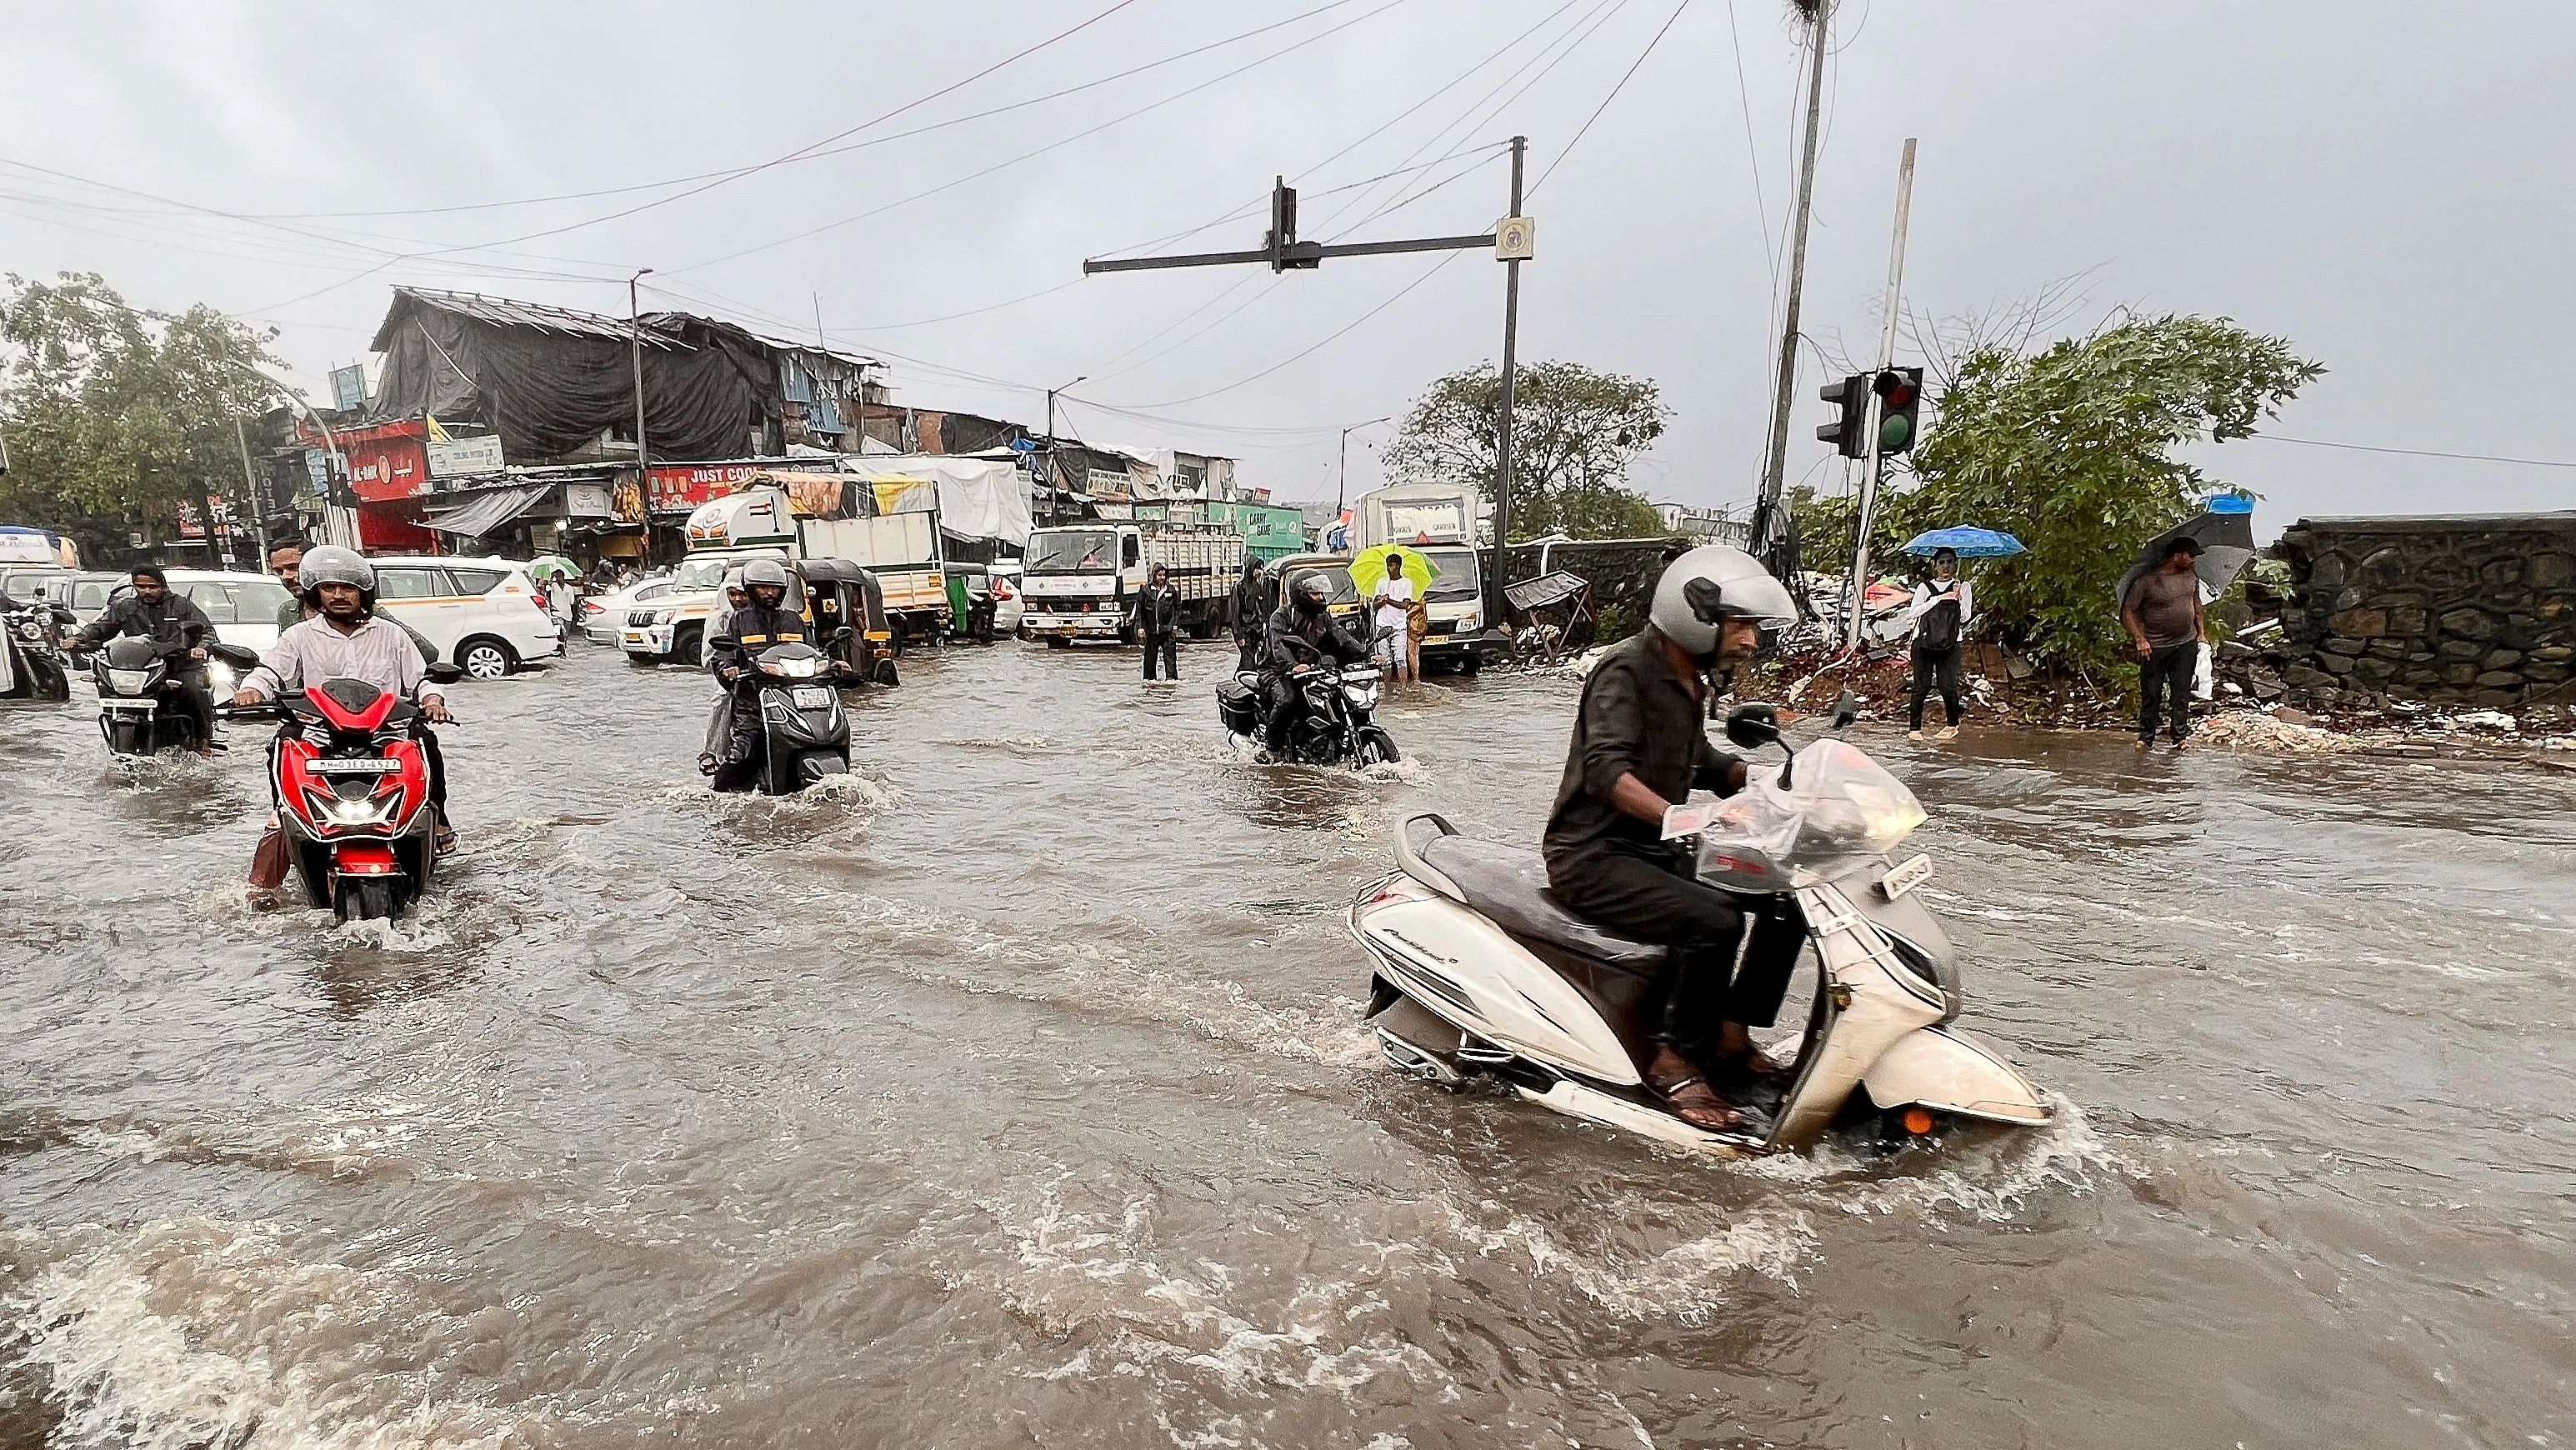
x: 1015, y: 1095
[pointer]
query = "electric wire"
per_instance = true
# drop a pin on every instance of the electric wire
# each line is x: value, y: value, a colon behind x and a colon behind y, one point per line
x: 1624, y: 78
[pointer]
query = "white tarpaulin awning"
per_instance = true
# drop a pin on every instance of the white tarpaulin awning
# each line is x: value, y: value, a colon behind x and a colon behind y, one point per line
x: 978, y: 498
x: 485, y: 512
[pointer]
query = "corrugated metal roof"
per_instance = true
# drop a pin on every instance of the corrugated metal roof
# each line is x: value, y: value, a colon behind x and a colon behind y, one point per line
x: 504, y: 312
x: 789, y: 344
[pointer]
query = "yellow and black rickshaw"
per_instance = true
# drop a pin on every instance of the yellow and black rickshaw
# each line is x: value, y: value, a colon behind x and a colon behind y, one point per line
x: 839, y: 592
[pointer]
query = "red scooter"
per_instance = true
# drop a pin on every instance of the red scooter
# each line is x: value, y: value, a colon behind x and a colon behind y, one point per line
x: 350, y: 780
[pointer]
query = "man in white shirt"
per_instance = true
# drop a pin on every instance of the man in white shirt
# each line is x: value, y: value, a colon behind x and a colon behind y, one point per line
x: 1393, y: 599
x: 345, y: 640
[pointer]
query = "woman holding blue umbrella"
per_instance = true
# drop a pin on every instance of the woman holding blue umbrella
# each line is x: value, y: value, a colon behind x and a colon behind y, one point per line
x: 1943, y: 606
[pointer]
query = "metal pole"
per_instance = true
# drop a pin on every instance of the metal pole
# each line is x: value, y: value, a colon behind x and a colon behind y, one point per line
x: 1503, y: 426
x: 1877, y: 471
x: 1342, y: 474
x: 1784, y: 385
x: 635, y: 342
x: 250, y: 484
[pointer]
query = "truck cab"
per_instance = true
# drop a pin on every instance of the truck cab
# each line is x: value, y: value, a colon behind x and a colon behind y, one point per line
x: 1076, y: 581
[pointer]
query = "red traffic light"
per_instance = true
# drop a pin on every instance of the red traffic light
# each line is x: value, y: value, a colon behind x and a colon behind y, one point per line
x: 1895, y: 390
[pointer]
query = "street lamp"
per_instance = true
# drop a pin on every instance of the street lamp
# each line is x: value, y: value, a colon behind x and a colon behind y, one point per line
x: 1055, y: 464
x: 1343, y: 477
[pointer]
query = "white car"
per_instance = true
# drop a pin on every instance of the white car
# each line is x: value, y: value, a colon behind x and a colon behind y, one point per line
x: 603, y: 616
x: 482, y: 615
x: 1003, y: 582
x: 242, y: 607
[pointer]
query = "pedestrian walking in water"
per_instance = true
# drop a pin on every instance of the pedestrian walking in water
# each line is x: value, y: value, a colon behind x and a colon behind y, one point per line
x: 2162, y: 612
x: 1157, y: 621
x: 1393, y: 599
x: 1254, y: 598
x: 1943, y: 605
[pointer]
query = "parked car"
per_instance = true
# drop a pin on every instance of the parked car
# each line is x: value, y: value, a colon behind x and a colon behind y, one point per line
x: 604, y: 615
x: 243, y: 607
x: 90, y: 593
x: 28, y: 583
x: 482, y: 615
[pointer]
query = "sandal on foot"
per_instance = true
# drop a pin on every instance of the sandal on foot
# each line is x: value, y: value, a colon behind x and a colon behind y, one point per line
x: 706, y: 765
x: 1693, y: 1101
x: 1756, y: 1066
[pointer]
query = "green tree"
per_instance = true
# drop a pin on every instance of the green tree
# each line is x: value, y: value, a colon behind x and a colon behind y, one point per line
x: 1575, y: 430
x: 114, y: 415
x: 2071, y: 450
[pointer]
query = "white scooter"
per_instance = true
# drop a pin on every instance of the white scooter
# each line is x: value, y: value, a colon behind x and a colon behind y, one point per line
x: 1479, y: 972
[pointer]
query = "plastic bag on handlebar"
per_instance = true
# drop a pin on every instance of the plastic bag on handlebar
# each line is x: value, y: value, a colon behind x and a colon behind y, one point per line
x: 1851, y: 806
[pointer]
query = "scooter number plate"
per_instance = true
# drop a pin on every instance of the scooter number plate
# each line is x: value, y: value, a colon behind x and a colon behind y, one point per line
x: 812, y: 697
x: 1906, y: 877
x: 377, y: 766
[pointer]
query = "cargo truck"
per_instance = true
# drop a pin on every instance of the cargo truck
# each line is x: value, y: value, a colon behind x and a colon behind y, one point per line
x: 901, y: 550
x: 1079, y: 581
x: 1439, y: 521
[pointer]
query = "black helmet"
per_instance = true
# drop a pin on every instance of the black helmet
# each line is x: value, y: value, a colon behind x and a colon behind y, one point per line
x: 332, y: 564
x: 1310, y: 593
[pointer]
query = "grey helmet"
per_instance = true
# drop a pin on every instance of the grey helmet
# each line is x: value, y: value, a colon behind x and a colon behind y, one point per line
x: 763, y: 571
x: 1710, y: 585
x: 332, y: 564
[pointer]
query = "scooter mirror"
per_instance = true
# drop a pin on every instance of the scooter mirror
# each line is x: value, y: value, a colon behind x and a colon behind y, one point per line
x: 1753, y: 725
x: 443, y: 674
x: 840, y: 634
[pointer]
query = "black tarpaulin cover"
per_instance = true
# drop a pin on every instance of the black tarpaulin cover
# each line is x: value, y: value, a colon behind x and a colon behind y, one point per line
x: 548, y: 381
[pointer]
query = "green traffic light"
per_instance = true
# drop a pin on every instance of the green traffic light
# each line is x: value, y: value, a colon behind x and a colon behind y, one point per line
x: 1894, y: 432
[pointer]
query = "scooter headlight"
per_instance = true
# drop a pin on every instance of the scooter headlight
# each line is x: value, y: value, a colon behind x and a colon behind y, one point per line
x: 129, y: 682
x: 793, y: 669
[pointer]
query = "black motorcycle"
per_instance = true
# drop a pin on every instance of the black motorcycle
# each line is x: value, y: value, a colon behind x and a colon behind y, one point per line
x: 33, y: 665
x: 804, y: 734
x: 140, y: 708
x: 1338, y: 722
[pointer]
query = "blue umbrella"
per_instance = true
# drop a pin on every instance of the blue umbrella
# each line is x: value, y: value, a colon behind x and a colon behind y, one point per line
x: 1967, y: 543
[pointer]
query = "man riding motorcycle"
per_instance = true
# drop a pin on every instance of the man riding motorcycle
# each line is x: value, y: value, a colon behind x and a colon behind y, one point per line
x: 153, y: 612
x: 345, y: 639
x: 1640, y: 745
x: 764, y: 620
x: 1300, y: 631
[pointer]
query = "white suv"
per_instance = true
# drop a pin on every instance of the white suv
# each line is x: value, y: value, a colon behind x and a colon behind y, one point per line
x: 482, y: 615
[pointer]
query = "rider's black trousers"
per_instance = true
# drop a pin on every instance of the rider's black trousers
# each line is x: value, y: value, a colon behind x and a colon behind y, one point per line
x: 1727, y: 964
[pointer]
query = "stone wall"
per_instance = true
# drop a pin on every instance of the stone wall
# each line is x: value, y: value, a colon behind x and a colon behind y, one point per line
x: 2465, y: 609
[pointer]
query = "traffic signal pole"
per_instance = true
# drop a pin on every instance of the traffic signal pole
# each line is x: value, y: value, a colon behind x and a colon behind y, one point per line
x: 1512, y: 242
x: 1876, y: 473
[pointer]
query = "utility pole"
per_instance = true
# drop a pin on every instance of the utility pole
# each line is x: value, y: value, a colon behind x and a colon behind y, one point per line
x: 635, y: 337
x: 1513, y: 240
x: 1874, y: 474
x: 1775, y: 459
x: 1503, y: 426
x: 1055, y: 462
x: 1342, y: 476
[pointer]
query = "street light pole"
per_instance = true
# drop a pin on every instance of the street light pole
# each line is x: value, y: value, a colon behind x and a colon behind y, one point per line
x: 1342, y: 478
x: 1055, y: 463
x: 635, y: 339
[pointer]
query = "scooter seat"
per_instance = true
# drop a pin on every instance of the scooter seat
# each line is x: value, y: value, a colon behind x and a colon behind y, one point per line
x: 1509, y: 885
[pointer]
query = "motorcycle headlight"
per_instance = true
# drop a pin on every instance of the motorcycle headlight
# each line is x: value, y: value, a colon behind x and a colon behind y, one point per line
x: 128, y: 682
x: 29, y: 629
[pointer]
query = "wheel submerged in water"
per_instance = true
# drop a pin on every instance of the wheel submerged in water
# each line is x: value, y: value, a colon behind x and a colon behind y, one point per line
x: 362, y: 899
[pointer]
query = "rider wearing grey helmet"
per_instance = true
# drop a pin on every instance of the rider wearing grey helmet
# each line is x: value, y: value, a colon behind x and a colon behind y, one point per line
x: 1640, y: 746
x: 764, y: 620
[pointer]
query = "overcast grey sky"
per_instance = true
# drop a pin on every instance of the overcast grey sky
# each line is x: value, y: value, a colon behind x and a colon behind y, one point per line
x: 2386, y: 184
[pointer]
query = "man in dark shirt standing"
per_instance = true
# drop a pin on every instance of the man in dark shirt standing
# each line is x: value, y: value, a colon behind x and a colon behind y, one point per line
x: 1156, y: 618
x: 1640, y: 746
x: 2162, y: 611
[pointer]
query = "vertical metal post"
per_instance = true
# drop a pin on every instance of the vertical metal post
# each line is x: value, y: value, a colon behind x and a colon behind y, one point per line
x: 1342, y: 476
x: 1503, y: 426
x: 635, y: 340
x: 250, y: 485
x: 1877, y: 470
x: 1775, y: 457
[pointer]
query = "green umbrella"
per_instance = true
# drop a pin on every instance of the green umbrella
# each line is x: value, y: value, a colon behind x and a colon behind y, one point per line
x: 550, y: 566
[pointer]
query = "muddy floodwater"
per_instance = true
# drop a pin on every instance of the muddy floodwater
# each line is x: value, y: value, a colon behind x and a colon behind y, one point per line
x: 1015, y: 1095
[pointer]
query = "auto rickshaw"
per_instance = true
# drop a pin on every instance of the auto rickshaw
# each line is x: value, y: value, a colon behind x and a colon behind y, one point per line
x: 839, y: 593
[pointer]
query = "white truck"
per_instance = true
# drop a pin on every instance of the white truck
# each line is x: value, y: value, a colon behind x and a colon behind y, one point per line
x: 902, y: 550
x: 1439, y: 521
x: 1080, y: 581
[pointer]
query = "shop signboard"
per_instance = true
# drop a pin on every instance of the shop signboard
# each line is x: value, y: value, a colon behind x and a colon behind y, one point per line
x: 678, y: 488
x: 462, y: 457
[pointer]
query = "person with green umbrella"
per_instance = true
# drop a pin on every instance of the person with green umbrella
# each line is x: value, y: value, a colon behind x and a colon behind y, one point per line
x: 1392, y: 602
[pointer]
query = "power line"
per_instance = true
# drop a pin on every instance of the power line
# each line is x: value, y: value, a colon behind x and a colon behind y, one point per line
x: 2415, y: 452
x: 1428, y: 273
x: 1606, y: 100
x: 978, y: 175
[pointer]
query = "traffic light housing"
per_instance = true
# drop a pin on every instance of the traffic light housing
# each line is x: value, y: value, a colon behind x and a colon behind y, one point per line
x: 1282, y: 242
x: 1846, y: 432
x: 1900, y: 409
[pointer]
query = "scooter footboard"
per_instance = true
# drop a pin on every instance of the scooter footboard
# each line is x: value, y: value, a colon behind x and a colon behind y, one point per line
x: 1953, y: 1072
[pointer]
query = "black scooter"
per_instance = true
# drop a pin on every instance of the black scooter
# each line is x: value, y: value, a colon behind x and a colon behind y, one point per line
x: 140, y: 708
x: 32, y: 663
x: 804, y: 733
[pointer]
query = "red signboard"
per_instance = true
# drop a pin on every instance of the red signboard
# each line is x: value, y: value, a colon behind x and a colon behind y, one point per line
x: 677, y: 488
x: 385, y: 469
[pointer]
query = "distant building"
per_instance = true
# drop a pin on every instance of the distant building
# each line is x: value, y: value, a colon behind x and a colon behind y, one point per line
x: 1708, y: 525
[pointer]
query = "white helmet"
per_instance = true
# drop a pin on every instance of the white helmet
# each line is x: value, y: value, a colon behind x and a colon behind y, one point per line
x: 764, y: 571
x: 1711, y: 584
x: 332, y: 564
